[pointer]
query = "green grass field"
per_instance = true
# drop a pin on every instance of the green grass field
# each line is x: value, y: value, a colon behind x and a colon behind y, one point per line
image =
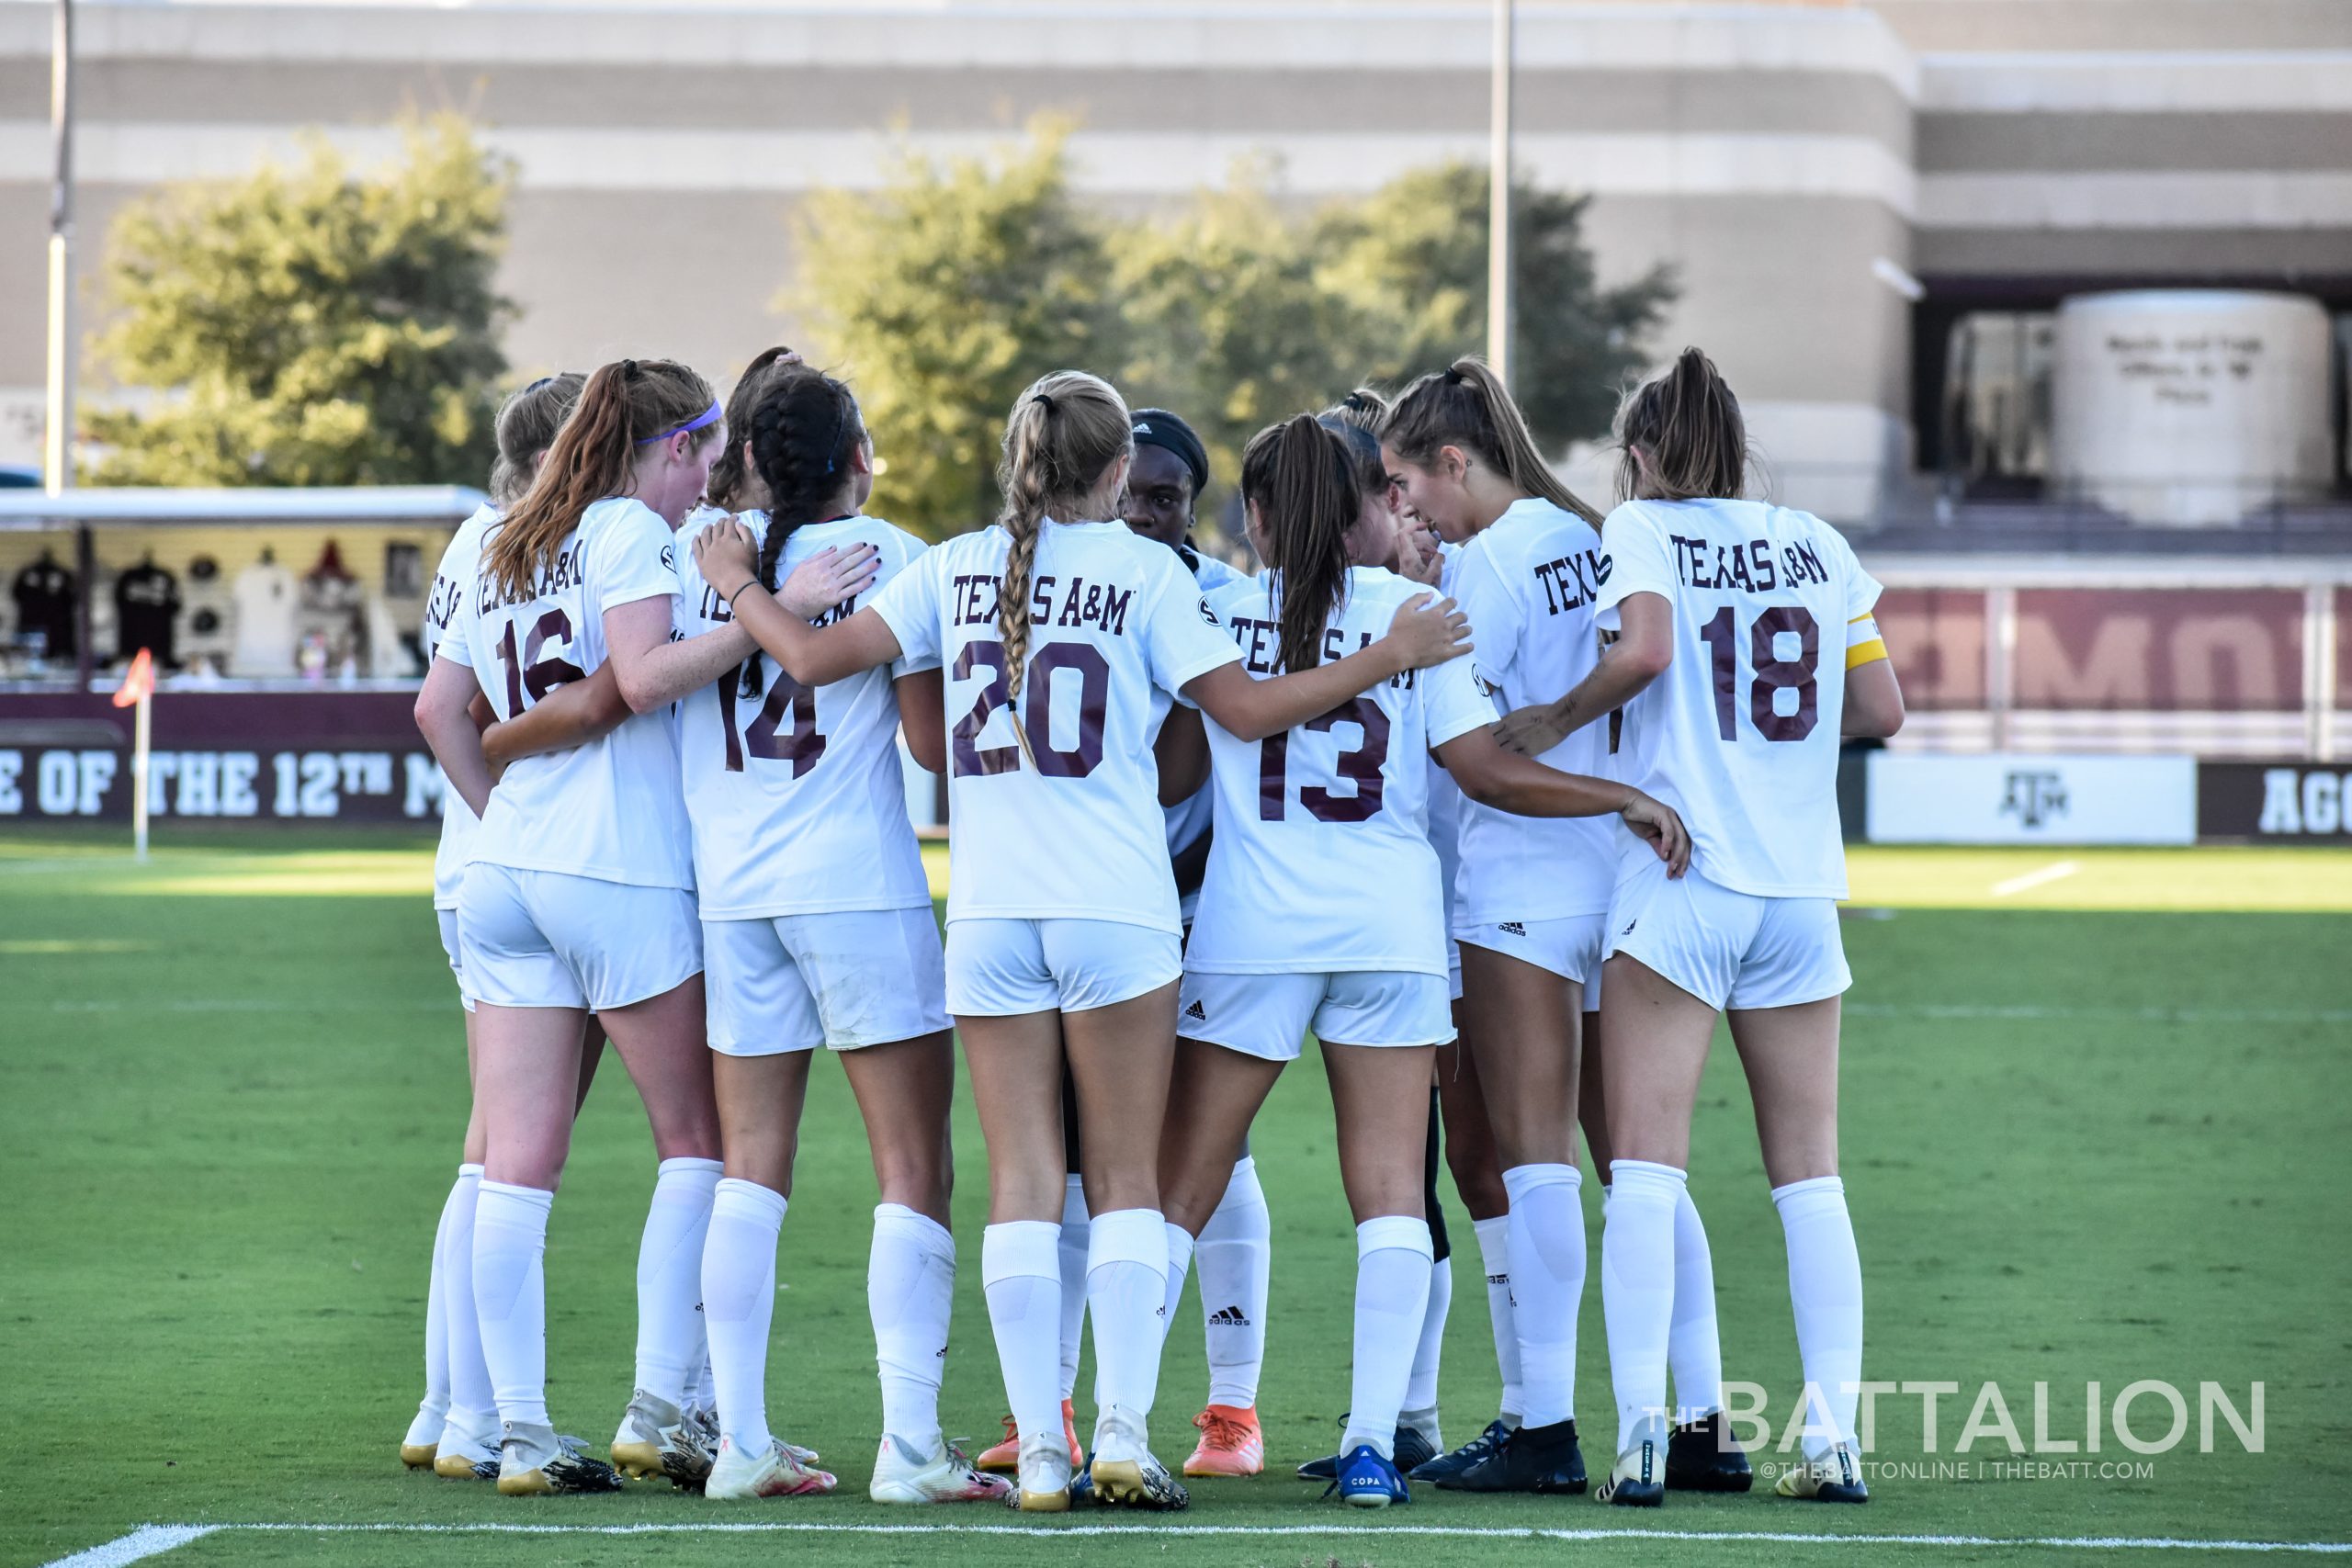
x: 2098, y: 1127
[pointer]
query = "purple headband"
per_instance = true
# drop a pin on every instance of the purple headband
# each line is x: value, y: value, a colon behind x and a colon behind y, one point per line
x: 710, y: 415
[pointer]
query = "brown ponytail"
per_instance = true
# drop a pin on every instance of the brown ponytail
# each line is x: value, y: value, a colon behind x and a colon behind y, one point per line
x: 595, y: 455
x: 1064, y: 434
x: 1689, y: 430
x: 527, y: 425
x: 1302, y: 478
x: 1467, y: 406
x: 735, y: 464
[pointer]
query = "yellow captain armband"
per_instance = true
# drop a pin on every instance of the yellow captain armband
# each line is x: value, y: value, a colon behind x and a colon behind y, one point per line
x: 1863, y: 645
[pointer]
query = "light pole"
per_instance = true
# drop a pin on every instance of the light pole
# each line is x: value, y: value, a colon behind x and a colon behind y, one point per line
x: 1498, y: 302
x: 57, y: 444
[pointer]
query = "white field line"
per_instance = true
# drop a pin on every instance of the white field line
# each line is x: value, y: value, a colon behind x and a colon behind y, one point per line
x: 149, y: 1540
x: 2057, y: 871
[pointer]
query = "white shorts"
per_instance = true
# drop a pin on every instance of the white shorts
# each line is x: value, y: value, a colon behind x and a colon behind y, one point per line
x: 796, y: 982
x: 543, y: 939
x: 1568, y: 946
x: 1001, y: 968
x: 1453, y: 970
x: 450, y: 945
x: 1267, y: 1016
x: 1730, y: 949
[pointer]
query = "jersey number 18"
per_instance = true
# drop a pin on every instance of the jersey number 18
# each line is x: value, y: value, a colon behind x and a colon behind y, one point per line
x: 1773, y: 673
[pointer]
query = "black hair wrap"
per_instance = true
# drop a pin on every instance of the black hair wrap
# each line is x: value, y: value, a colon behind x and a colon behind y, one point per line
x: 1043, y: 401
x: 1158, y: 427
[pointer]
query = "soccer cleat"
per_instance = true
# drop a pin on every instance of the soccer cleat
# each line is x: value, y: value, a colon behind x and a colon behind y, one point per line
x: 421, y: 1444
x: 1836, y: 1477
x: 535, y: 1462
x: 1367, y: 1481
x: 468, y: 1448
x: 686, y: 1453
x: 902, y: 1476
x: 736, y: 1476
x: 1045, y: 1473
x: 1004, y: 1458
x: 1701, y: 1457
x: 1636, y: 1480
x: 1231, y: 1443
x: 1123, y: 1470
x: 1444, y: 1466
x: 637, y: 1446
x: 1410, y: 1446
x: 1533, y: 1459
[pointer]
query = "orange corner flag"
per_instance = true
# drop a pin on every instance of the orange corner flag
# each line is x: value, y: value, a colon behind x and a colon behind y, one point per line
x: 137, y: 682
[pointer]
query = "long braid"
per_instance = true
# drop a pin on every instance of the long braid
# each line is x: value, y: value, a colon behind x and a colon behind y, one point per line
x: 802, y: 434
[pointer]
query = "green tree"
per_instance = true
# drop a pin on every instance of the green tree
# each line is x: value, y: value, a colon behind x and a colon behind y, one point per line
x: 1231, y: 328
x: 311, y: 324
x: 942, y: 296
x: 1413, y: 257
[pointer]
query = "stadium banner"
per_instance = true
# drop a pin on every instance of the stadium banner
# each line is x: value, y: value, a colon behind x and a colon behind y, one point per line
x: 2275, y: 803
x: 2003, y: 798
x: 344, y: 757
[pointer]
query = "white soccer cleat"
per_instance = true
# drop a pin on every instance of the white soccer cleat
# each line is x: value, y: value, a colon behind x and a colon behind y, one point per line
x: 637, y: 1446
x: 902, y: 1476
x: 738, y: 1476
x: 1124, y: 1471
x: 1835, y: 1477
x: 1044, y: 1486
x: 536, y: 1462
x: 422, y: 1443
x: 467, y: 1446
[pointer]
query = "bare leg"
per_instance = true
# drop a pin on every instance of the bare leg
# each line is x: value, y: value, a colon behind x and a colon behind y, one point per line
x: 1213, y: 1096
x: 903, y: 1091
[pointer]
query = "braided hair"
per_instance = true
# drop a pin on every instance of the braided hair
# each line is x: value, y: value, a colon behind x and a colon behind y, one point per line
x: 727, y: 475
x: 803, y: 434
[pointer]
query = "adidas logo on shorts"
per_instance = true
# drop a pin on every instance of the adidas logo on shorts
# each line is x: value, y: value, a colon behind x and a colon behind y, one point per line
x: 1197, y: 1010
x: 1229, y: 1317
x: 1629, y: 927
x: 1512, y: 928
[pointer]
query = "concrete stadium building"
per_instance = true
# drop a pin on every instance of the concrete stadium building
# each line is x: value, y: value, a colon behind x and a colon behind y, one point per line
x: 1852, y: 194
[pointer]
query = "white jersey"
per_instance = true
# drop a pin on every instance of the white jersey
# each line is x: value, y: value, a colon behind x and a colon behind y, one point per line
x: 1322, y: 858
x: 1740, y: 735
x: 1529, y: 585
x: 1446, y: 799
x: 1214, y: 574
x: 1078, y: 833
x: 610, y: 809
x: 797, y: 799
x: 450, y: 581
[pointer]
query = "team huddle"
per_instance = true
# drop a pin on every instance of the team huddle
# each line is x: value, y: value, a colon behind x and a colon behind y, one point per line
x: 1500, y: 802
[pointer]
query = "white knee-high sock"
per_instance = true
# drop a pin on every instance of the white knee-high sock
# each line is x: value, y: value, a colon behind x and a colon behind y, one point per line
x: 739, y: 1304
x: 1073, y: 1266
x: 1235, y: 1262
x: 1826, y: 1289
x: 1392, y: 1292
x: 1494, y: 1258
x: 1547, y: 1281
x: 1694, y: 1351
x: 1637, y: 1293
x: 669, y: 1275
x: 1420, y: 1394
x: 436, y: 1302
x: 1021, y: 1271
x: 1126, y: 1296
x: 469, y: 1375
x: 1179, y: 1262
x: 910, y: 1293
x: 511, y: 1299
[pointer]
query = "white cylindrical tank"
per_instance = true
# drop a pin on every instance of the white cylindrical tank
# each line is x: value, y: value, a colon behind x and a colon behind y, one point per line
x: 2190, y: 407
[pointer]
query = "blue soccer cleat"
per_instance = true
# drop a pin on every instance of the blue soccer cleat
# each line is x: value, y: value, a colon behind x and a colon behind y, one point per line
x: 1367, y: 1481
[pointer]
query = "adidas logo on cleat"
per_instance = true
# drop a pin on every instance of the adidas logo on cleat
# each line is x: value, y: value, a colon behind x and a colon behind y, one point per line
x: 1197, y: 1010
x: 1229, y: 1317
x: 1512, y: 928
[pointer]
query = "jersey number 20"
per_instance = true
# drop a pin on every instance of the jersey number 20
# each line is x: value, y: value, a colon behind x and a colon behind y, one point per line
x: 968, y: 756
x: 1773, y: 673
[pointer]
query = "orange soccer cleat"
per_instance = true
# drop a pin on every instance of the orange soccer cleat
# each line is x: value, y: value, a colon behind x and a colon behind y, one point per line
x: 1004, y: 1458
x: 1231, y: 1443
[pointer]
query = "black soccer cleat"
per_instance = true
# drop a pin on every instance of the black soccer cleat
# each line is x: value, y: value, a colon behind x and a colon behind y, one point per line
x: 1701, y: 1457
x: 1438, y: 1469
x: 1412, y: 1451
x: 1543, y: 1459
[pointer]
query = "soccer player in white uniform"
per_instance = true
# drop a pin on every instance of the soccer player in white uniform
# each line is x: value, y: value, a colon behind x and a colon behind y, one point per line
x: 1322, y: 910
x: 818, y: 931
x: 1745, y: 651
x: 576, y: 895
x: 1063, y: 930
